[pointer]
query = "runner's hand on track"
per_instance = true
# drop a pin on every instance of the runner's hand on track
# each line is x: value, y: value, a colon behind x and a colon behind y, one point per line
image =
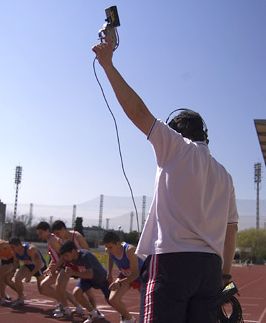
x: 115, y: 285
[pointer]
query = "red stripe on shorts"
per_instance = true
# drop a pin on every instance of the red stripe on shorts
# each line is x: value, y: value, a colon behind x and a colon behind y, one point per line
x: 149, y: 302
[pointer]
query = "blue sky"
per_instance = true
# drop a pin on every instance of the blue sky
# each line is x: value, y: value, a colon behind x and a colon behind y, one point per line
x: 207, y: 55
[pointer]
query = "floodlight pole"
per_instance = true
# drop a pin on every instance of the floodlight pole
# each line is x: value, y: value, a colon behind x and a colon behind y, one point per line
x: 257, y: 180
x: 74, y: 215
x: 18, y: 175
x: 101, y: 211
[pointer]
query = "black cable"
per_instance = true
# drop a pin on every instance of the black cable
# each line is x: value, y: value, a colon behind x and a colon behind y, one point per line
x: 236, y: 313
x: 118, y: 142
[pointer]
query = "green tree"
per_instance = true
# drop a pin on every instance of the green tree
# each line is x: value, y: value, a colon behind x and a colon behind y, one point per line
x: 252, y: 243
x: 20, y: 229
x: 32, y: 234
x: 132, y: 237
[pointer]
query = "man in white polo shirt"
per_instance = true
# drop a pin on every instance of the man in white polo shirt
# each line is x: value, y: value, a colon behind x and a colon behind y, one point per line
x: 190, y: 233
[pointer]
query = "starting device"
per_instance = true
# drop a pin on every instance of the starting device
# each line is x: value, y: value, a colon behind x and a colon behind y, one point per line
x: 229, y: 291
x: 109, y: 30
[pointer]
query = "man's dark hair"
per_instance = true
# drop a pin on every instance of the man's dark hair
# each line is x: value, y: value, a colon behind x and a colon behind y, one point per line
x: 191, y: 125
x: 68, y: 246
x: 15, y: 241
x: 58, y: 225
x: 111, y: 237
x: 43, y: 226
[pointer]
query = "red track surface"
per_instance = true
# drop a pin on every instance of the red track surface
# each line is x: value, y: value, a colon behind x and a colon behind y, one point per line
x: 251, y: 282
x: 38, y: 308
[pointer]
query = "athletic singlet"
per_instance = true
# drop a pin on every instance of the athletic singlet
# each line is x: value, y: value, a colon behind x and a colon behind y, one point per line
x: 75, y: 240
x: 123, y: 262
x: 53, y: 254
x: 26, y: 258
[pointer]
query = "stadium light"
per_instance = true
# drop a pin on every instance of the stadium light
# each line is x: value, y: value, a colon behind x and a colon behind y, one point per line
x: 257, y: 181
x: 18, y: 175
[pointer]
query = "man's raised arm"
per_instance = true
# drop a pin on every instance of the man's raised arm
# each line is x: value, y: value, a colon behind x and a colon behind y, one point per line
x: 131, y: 103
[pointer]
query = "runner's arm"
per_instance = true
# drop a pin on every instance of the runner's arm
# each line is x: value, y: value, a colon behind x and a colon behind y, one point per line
x: 110, y: 269
x: 55, y: 245
x: 133, y: 265
x: 36, y: 259
x: 58, y: 264
x: 55, y: 262
x: 110, y: 264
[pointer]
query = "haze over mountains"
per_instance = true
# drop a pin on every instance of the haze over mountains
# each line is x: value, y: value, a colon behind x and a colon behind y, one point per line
x: 118, y: 210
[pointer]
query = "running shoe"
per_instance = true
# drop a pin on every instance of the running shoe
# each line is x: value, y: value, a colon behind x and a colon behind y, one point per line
x: 94, y: 315
x: 3, y: 301
x: 18, y: 302
x: 79, y: 310
x: 57, y: 308
x: 62, y: 312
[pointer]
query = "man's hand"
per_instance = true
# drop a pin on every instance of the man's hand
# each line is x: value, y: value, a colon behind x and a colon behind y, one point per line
x: 118, y: 284
x: 115, y: 285
x: 50, y: 271
x: 47, y: 272
x: 226, y: 279
x: 104, y: 53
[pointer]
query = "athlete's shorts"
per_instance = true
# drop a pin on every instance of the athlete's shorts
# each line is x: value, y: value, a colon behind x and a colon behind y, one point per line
x: 39, y: 273
x: 7, y: 261
x: 86, y: 284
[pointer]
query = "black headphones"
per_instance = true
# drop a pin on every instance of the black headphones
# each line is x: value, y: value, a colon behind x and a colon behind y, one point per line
x: 205, y: 129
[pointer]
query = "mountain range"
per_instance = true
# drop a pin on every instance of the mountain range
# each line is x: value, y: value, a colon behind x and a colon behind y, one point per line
x: 118, y: 210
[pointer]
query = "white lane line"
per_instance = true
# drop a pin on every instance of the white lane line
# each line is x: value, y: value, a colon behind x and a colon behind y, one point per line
x: 250, y: 283
x: 262, y: 315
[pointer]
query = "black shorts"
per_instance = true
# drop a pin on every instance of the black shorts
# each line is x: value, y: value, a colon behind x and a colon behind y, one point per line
x: 181, y: 287
x: 86, y: 284
x: 7, y: 261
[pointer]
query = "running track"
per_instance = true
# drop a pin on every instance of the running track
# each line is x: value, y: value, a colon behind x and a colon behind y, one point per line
x: 251, y: 282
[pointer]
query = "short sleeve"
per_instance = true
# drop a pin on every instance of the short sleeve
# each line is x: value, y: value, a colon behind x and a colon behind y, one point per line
x: 166, y: 142
x: 233, y: 214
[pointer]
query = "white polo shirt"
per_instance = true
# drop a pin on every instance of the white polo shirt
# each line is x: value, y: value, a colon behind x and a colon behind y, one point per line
x: 193, y: 201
